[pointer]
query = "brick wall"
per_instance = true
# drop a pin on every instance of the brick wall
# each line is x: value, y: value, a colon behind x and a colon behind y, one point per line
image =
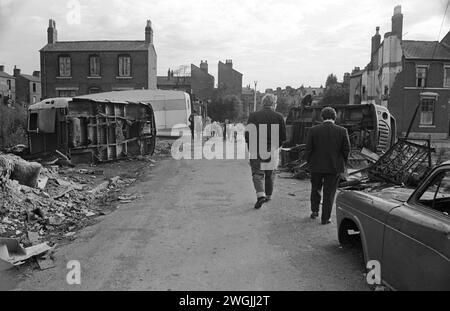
x: 202, y: 84
x: 229, y: 80
x: 80, y: 72
x: 405, y: 97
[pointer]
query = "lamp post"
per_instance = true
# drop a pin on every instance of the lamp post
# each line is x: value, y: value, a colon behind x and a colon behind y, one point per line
x: 254, y: 99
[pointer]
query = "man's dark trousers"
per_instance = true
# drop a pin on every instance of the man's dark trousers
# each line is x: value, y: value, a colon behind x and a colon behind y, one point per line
x: 329, y: 184
x: 327, y: 150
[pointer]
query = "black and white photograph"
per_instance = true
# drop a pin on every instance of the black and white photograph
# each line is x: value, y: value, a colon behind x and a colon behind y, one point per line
x: 224, y: 152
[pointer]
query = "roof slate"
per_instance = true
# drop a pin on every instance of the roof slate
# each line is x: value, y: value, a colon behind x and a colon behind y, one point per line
x: 31, y: 78
x: 425, y: 50
x: 6, y: 75
x: 70, y: 46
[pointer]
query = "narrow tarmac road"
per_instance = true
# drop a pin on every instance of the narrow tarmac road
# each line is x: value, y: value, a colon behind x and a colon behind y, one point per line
x: 195, y: 229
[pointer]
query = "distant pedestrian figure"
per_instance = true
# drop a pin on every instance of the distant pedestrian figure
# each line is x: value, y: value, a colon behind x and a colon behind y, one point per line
x: 263, y: 170
x: 191, y: 123
x: 327, y: 150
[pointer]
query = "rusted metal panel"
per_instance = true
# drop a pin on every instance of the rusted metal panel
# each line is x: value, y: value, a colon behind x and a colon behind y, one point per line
x: 405, y: 163
x: 94, y: 131
x: 369, y: 126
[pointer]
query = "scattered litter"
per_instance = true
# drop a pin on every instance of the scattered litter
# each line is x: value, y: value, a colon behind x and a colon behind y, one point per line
x: 42, y: 182
x: 45, y: 263
x: 12, y: 252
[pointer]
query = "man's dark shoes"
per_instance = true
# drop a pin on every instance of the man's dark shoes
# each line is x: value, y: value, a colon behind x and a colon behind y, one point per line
x: 326, y: 222
x: 314, y: 215
x: 260, y: 202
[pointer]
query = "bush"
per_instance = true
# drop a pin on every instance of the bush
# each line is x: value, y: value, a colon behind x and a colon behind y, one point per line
x: 228, y: 107
x: 13, y: 126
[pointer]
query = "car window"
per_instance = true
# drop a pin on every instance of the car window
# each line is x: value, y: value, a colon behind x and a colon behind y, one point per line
x: 437, y: 194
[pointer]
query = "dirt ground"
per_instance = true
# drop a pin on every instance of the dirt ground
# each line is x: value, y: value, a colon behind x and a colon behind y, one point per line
x: 195, y: 229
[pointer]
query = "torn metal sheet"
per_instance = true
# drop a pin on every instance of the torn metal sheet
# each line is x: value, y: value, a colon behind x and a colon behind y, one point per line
x: 369, y: 126
x: 405, y: 163
x: 89, y: 131
x: 11, y: 252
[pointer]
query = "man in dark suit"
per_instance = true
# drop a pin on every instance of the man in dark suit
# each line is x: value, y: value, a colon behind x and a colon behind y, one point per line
x: 264, y: 162
x: 327, y: 150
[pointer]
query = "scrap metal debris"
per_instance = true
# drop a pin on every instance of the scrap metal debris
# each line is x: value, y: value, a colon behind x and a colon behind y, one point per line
x: 53, y: 207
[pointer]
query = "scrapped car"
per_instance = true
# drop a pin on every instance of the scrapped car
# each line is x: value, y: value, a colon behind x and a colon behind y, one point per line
x: 406, y: 230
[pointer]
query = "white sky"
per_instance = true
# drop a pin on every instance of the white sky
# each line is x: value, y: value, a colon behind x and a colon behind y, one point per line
x: 276, y: 42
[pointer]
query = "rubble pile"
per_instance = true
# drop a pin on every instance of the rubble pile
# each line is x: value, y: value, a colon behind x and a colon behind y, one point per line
x: 163, y: 147
x: 61, y: 201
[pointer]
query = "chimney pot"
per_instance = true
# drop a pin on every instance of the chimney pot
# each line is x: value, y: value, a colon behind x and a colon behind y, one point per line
x: 16, y: 71
x: 149, y: 32
x: 52, y: 34
x: 2, y: 68
x: 397, y: 22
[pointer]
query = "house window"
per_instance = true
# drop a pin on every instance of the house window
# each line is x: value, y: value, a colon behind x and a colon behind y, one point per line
x: 427, y: 111
x: 67, y: 93
x: 34, y: 99
x: 124, y: 66
x: 94, y: 66
x: 447, y: 76
x: 421, y: 76
x: 9, y: 84
x: 34, y: 87
x: 94, y: 90
x: 386, y: 90
x: 64, y: 66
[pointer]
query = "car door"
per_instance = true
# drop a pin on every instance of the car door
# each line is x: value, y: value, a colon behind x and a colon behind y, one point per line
x: 416, y: 246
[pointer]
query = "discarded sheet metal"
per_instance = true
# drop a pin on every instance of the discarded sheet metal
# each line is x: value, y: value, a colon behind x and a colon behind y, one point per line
x: 405, y: 163
x: 12, y: 252
x: 369, y: 126
x: 91, y: 130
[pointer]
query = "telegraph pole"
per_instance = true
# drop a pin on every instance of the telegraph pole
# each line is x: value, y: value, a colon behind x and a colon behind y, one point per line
x: 254, y: 100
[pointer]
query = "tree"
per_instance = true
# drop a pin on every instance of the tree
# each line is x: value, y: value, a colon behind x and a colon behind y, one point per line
x: 227, y: 107
x: 335, y: 95
x: 331, y: 80
x: 282, y: 105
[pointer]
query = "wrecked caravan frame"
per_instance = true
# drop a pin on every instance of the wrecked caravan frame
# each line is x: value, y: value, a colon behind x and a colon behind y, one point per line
x: 90, y: 131
x: 369, y: 126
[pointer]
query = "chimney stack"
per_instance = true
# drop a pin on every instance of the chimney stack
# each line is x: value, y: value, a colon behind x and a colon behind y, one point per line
x: 229, y: 62
x: 376, y: 40
x: 52, y: 34
x: 204, y: 66
x: 16, y: 71
x: 149, y: 32
x: 37, y: 74
x: 2, y: 68
x: 397, y: 22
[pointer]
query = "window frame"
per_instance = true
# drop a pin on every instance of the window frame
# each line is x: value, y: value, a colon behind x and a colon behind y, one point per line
x: 446, y: 78
x: 34, y: 116
x: 428, y: 100
x: 416, y: 198
x: 119, y: 72
x: 73, y: 93
x: 426, y: 68
x: 99, y: 70
x: 90, y: 89
x: 60, y: 73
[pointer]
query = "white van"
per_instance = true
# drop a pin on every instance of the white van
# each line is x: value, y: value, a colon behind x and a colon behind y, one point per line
x: 170, y: 107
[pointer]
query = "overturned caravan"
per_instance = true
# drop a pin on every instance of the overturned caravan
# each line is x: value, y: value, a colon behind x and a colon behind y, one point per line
x: 369, y: 126
x: 90, y: 131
